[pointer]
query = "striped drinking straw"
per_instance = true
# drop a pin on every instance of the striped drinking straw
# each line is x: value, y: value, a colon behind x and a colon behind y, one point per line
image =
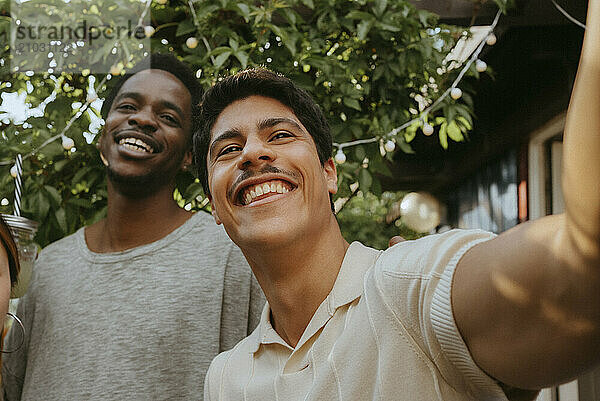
x: 18, y: 185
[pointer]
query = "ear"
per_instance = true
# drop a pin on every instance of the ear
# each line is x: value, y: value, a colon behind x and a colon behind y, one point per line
x: 99, y: 147
x: 187, y: 160
x: 213, y: 211
x: 330, y: 173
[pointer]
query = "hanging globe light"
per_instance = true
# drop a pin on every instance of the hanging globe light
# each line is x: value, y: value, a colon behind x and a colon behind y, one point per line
x: 420, y: 211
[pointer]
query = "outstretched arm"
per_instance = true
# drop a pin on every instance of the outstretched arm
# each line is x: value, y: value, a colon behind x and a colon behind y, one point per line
x: 527, y: 303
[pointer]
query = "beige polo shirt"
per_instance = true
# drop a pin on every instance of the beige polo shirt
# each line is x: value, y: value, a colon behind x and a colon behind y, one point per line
x: 384, y: 332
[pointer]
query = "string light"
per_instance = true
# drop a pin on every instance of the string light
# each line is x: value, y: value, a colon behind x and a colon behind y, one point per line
x: 481, y: 66
x: 67, y: 143
x: 491, y: 39
x: 197, y: 24
x: 434, y: 106
x: 340, y: 157
x: 191, y: 42
x: 568, y: 16
x: 61, y: 134
x: 149, y: 31
x: 89, y: 99
x: 428, y: 129
x: 456, y: 93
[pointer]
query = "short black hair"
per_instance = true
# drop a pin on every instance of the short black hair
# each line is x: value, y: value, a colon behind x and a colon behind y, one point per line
x: 168, y: 63
x: 260, y: 82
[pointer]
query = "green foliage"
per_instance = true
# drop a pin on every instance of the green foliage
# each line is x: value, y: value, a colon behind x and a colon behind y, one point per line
x: 370, y: 64
x: 366, y: 218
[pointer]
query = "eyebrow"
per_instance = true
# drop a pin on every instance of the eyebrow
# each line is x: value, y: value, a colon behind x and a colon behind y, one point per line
x: 271, y: 122
x: 138, y: 97
x: 229, y: 134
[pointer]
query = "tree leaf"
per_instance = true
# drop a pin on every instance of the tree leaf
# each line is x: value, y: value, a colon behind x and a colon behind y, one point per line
x: 352, y: 103
x: 242, y: 57
x: 363, y: 29
x: 244, y: 10
x: 221, y: 59
x: 379, y: 8
x: 364, y: 179
x: 54, y: 195
x: 185, y: 27
x: 443, y: 135
x: 454, y: 132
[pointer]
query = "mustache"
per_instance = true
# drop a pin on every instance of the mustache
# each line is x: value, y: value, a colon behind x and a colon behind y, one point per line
x: 265, y: 169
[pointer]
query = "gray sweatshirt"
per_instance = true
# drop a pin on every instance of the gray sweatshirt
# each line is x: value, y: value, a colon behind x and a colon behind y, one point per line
x: 141, y: 324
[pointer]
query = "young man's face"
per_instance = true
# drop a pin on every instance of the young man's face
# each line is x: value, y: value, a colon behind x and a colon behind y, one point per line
x: 267, y: 184
x: 146, y: 138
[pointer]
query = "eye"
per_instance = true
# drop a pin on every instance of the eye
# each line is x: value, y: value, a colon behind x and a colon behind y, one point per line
x: 281, y: 135
x: 229, y: 149
x: 125, y: 106
x: 170, y: 119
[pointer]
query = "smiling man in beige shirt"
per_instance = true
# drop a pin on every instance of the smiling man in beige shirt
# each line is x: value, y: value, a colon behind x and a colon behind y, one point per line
x: 458, y: 316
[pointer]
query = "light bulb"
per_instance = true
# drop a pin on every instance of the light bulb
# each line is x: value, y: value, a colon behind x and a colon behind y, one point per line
x: 67, y: 143
x: 427, y: 129
x: 340, y: 157
x: 149, y: 31
x: 481, y: 66
x: 191, y: 42
x: 389, y: 146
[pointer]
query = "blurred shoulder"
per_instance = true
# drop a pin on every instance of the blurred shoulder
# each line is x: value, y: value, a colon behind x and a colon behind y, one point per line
x: 431, y: 254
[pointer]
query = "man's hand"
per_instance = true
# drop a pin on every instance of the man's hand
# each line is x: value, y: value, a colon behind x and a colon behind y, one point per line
x: 395, y: 240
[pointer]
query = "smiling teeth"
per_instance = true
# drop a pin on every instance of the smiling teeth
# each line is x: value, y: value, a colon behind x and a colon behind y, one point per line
x: 136, y: 144
x: 274, y: 187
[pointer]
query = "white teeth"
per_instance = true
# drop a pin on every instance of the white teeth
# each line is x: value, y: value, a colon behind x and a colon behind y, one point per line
x: 263, y: 189
x: 135, y: 144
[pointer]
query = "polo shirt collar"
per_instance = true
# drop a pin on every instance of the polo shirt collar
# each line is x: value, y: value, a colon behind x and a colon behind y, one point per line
x: 348, y: 286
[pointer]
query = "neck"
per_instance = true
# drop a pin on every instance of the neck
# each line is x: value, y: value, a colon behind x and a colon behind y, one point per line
x: 132, y: 222
x: 296, y: 277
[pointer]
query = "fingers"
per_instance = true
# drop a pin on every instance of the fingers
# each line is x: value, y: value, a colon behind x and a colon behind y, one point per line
x: 396, y: 240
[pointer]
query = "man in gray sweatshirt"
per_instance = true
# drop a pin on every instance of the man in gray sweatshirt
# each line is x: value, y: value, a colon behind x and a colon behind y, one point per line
x: 135, y: 306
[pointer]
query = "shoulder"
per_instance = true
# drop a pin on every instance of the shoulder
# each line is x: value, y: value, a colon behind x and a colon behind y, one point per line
x: 430, y: 255
x: 231, y: 368
x: 202, y: 224
x: 407, y: 274
x: 63, y: 248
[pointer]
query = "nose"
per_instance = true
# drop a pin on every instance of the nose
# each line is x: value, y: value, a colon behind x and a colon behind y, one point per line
x: 255, y: 152
x: 144, y: 119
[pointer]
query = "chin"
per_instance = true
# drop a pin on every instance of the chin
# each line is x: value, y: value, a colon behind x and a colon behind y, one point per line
x: 261, y: 239
x: 136, y: 185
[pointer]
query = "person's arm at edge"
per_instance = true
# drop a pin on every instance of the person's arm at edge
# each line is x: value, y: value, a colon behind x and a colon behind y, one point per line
x: 14, y: 364
x: 527, y: 303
